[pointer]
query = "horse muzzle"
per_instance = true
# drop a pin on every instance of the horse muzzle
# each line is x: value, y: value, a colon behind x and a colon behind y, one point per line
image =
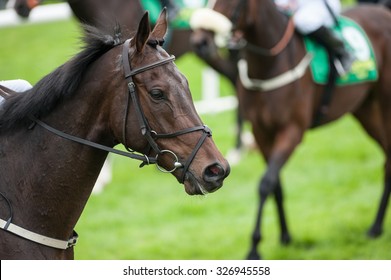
x: 212, y: 179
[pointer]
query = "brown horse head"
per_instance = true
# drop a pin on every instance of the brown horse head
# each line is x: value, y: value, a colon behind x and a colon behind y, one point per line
x: 178, y: 138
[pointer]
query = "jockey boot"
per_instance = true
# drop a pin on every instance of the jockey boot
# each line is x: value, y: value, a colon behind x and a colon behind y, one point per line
x: 335, y: 47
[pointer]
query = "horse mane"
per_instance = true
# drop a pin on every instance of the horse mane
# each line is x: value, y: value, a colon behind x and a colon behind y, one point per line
x: 59, y: 84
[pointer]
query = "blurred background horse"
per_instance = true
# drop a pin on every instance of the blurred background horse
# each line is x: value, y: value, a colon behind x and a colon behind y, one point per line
x: 280, y: 115
x: 128, y: 13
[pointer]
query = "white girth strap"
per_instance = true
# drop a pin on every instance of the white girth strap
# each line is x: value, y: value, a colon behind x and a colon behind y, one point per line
x: 276, y: 82
x: 38, y: 238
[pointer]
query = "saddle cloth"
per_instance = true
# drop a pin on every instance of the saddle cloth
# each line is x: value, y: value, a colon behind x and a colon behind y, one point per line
x: 363, y: 68
x: 185, y: 10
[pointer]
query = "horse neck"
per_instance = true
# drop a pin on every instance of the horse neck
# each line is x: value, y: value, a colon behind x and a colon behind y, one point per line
x: 266, y: 22
x: 57, y: 175
x: 265, y: 31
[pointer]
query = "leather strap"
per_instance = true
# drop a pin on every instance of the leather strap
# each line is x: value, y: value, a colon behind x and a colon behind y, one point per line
x: 275, y: 82
x: 129, y: 73
x: 144, y: 158
x: 145, y: 129
x: 279, y: 47
x: 32, y: 236
x: 207, y: 133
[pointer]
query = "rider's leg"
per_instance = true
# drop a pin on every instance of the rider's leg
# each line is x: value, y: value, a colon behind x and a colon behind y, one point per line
x: 17, y: 85
x: 335, y: 47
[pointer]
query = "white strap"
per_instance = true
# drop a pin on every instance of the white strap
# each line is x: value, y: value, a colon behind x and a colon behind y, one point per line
x: 51, y: 242
x: 276, y: 82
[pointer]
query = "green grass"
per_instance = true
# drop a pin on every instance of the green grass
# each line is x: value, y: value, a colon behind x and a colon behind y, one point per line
x: 332, y: 185
x: 332, y: 189
x: 32, y: 51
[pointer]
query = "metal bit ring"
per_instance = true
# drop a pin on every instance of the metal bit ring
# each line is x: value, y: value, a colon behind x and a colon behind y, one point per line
x: 177, y: 164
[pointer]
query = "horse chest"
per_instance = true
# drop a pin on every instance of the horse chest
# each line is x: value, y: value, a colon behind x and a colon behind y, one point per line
x: 259, y: 108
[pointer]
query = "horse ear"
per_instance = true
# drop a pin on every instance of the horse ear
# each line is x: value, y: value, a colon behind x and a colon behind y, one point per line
x: 143, y: 31
x: 161, y: 26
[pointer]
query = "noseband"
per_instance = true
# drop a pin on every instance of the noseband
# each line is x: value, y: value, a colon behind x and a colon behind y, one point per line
x: 146, y: 131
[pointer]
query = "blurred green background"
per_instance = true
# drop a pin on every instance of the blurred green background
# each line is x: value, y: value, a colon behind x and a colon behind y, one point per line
x: 332, y: 183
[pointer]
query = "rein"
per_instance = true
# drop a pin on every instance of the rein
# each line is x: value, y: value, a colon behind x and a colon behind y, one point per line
x: 146, y: 160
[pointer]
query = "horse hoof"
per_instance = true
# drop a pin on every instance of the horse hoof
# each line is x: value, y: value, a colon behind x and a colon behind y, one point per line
x: 254, y: 255
x: 374, y: 232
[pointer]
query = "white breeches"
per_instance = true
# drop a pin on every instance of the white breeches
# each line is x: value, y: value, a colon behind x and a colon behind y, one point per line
x: 309, y: 15
x: 16, y: 85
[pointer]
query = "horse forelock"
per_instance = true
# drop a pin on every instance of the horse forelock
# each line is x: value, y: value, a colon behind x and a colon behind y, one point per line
x: 60, y: 84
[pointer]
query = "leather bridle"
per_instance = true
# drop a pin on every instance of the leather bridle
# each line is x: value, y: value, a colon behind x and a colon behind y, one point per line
x: 146, y: 131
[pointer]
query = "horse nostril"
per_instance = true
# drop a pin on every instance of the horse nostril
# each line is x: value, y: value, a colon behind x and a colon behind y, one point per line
x: 214, y: 173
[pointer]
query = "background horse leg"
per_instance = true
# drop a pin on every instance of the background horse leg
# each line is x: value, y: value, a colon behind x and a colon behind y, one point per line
x: 372, y: 116
x: 285, y: 236
x: 239, y: 129
x: 284, y: 144
x: 377, y: 227
x: 234, y: 155
x: 269, y: 184
x: 256, y: 235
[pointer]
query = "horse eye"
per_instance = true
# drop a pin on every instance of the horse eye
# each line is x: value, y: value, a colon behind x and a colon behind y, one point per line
x: 156, y: 94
